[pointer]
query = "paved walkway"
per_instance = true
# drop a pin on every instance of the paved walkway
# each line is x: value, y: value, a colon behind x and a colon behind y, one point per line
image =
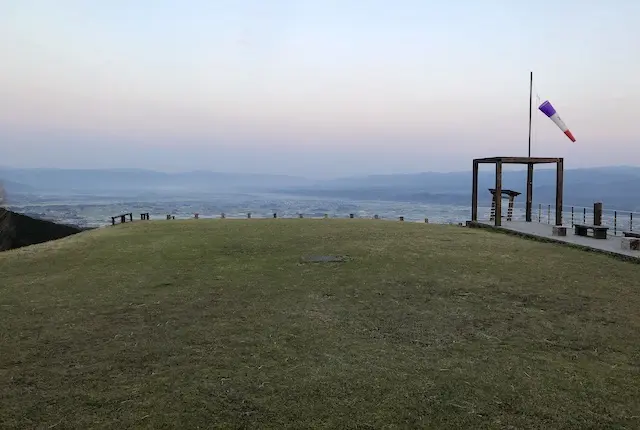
x: 611, y: 245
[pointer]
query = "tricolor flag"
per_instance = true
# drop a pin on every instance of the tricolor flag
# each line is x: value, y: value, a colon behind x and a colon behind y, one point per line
x: 549, y: 111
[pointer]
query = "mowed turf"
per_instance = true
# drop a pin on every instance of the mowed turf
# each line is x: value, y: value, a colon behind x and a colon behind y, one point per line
x: 218, y: 323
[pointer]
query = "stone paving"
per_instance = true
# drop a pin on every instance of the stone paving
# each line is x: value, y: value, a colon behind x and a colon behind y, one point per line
x: 611, y: 245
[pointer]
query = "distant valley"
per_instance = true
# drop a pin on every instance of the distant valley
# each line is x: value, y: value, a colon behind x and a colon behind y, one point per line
x: 617, y: 187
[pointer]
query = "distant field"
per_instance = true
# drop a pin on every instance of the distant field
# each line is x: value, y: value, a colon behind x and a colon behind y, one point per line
x: 218, y: 323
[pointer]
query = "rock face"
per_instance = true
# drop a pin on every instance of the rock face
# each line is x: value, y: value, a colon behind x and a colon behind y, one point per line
x: 17, y: 230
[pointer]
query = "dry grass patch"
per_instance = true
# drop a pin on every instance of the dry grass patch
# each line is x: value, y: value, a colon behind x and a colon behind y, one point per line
x: 216, y: 323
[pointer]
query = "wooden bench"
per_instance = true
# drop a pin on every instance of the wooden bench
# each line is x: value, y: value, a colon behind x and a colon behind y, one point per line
x: 631, y: 234
x: 599, y: 232
x: 123, y: 218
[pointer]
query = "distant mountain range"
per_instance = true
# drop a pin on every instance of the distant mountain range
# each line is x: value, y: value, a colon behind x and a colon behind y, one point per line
x: 21, y: 180
x: 617, y: 187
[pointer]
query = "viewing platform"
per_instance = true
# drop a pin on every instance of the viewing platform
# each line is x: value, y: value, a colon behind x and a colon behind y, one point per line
x: 611, y: 245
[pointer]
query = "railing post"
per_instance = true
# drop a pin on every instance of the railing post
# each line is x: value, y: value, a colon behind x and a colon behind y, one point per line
x: 539, y: 212
x: 615, y: 222
x: 549, y: 214
x: 571, y: 216
x: 584, y: 215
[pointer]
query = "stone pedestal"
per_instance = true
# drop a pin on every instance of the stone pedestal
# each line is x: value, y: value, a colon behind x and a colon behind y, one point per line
x: 559, y: 230
x: 630, y: 244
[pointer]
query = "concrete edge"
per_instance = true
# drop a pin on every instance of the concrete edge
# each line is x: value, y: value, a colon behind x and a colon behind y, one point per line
x: 530, y: 236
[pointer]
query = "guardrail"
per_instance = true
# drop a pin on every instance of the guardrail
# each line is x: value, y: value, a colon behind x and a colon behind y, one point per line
x: 618, y: 221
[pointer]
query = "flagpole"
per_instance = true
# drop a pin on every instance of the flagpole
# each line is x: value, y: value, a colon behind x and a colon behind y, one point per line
x: 530, y: 113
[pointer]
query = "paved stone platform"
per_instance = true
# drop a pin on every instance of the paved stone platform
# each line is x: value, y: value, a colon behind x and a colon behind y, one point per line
x: 612, y: 245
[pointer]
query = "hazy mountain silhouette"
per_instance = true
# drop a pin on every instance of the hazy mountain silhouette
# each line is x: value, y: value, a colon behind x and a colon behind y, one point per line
x: 20, y: 180
x: 617, y: 187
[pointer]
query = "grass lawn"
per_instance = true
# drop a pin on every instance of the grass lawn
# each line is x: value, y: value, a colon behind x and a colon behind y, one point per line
x: 218, y: 323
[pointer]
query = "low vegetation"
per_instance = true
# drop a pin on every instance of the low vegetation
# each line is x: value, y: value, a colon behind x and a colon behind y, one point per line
x: 222, y: 323
x: 18, y: 230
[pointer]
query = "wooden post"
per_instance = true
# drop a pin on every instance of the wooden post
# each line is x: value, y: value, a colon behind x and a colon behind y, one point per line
x: 426, y: 220
x: 529, y: 191
x: 597, y: 213
x: 474, y: 193
x: 123, y: 219
x: 249, y: 215
x: 275, y: 215
x: 492, y: 215
x: 559, y: 190
x: 350, y: 215
x: 510, y: 208
x: 376, y: 216
x: 498, y: 194
x: 168, y: 216
x: 131, y: 216
x: 401, y: 218
x: 113, y: 220
x: 222, y: 215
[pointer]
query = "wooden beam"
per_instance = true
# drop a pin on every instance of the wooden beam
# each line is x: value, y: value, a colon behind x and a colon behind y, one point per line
x: 518, y: 160
x: 529, y: 192
x: 474, y: 193
x: 498, y: 194
x: 559, y: 189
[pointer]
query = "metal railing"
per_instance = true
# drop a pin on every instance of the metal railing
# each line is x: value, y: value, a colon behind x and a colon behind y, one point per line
x: 618, y: 221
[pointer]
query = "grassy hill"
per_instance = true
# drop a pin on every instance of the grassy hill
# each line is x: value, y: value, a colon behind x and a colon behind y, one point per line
x: 219, y: 323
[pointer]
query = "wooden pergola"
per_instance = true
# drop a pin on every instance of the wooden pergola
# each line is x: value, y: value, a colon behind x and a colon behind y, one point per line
x: 529, y: 161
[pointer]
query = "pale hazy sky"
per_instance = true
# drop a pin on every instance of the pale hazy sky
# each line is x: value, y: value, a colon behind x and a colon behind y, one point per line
x: 316, y: 87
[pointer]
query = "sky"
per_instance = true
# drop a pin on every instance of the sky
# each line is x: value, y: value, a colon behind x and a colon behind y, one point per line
x: 319, y: 88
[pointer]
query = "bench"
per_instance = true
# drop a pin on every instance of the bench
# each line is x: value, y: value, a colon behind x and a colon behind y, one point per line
x: 123, y: 218
x: 599, y: 232
x: 631, y: 234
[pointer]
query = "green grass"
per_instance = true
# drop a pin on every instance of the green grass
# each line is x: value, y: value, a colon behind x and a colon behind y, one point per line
x: 217, y: 323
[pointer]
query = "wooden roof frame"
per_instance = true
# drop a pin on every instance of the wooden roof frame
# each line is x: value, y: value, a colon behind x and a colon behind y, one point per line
x: 529, y: 162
